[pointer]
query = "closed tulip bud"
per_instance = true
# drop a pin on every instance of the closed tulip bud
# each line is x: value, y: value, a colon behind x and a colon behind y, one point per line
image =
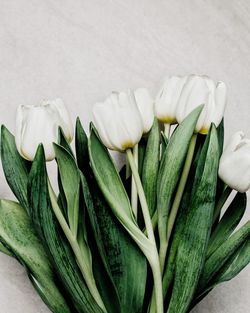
x: 36, y: 124
x: 199, y: 90
x: 234, y: 168
x: 118, y: 121
x: 167, y: 99
x: 145, y: 105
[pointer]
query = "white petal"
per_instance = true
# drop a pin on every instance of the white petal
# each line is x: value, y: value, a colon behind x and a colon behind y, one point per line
x: 181, y: 111
x: 65, y: 122
x: 38, y: 127
x: 168, y: 97
x: 235, y: 171
x: 146, y: 107
x: 19, y: 126
x: 233, y: 142
x: 220, y: 102
x: 105, y: 122
x: 131, y: 124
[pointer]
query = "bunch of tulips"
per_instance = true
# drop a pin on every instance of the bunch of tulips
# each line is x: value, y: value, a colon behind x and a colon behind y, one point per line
x: 156, y: 235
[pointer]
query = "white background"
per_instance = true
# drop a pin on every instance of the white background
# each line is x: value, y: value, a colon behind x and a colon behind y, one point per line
x: 82, y: 50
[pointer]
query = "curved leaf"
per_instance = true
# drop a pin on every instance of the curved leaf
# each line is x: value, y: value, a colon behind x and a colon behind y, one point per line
x: 170, y: 170
x: 122, y: 258
x: 192, y: 248
x: 228, y: 222
x: 16, y: 169
x: 16, y: 231
x: 58, y: 247
x: 150, y: 166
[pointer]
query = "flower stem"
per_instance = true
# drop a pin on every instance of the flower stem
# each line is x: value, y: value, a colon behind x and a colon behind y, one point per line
x: 134, y: 195
x: 226, y: 193
x: 167, y: 128
x: 154, y: 258
x: 177, y: 199
x: 80, y: 255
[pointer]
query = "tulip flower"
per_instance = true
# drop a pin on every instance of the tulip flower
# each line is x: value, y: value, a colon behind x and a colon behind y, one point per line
x: 145, y: 105
x: 199, y: 90
x: 37, y: 124
x: 234, y: 168
x: 167, y: 99
x: 120, y: 124
x: 118, y: 121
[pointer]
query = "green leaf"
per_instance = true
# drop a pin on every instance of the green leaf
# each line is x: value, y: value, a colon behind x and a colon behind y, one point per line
x: 70, y: 179
x: 121, y: 257
x: 81, y: 145
x: 164, y: 143
x: 101, y: 270
x: 237, y: 263
x: 170, y: 170
x: 62, y: 141
x: 220, y: 133
x: 232, y: 268
x: 16, y: 169
x: 4, y: 250
x: 228, y: 223
x: 192, y: 248
x: 220, y: 257
x: 150, y: 166
x: 114, y: 192
x: 57, y: 245
x: 180, y: 223
x: 17, y: 232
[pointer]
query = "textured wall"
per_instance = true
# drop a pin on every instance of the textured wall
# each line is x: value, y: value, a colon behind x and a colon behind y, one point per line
x: 82, y: 50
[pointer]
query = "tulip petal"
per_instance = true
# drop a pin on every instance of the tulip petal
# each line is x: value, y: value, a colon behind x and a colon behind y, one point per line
x: 146, y: 107
x: 38, y: 127
x: 234, y: 167
x: 66, y: 123
x: 220, y: 102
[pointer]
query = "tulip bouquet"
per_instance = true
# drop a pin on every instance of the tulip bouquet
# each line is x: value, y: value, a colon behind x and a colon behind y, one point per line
x: 155, y: 236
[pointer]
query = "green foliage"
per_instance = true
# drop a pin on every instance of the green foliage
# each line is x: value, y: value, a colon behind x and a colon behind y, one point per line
x: 18, y: 234
x: 16, y: 169
x: 192, y: 248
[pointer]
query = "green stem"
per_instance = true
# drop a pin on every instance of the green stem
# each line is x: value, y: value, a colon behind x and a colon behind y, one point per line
x: 167, y: 128
x: 154, y: 258
x: 134, y: 195
x: 226, y: 193
x: 177, y: 200
x: 82, y: 262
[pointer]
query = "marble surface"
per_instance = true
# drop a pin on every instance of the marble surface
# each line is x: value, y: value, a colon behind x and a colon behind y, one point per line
x: 82, y: 50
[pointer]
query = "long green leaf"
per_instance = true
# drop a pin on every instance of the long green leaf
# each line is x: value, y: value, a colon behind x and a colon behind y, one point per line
x: 180, y: 223
x: 81, y: 145
x: 239, y: 260
x: 151, y: 165
x: 114, y: 192
x: 221, y: 256
x: 58, y: 247
x: 228, y: 223
x: 62, y: 141
x: 192, y: 248
x: 101, y: 270
x: 16, y: 169
x: 4, y: 250
x: 17, y: 232
x: 70, y: 179
x: 121, y: 256
x: 170, y: 170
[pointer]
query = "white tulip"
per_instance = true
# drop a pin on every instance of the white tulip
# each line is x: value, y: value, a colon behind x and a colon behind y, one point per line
x: 145, y: 105
x: 118, y: 121
x: 234, y: 168
x: 167, y: 99
x: 199, y: 90
x: 37, y: 124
